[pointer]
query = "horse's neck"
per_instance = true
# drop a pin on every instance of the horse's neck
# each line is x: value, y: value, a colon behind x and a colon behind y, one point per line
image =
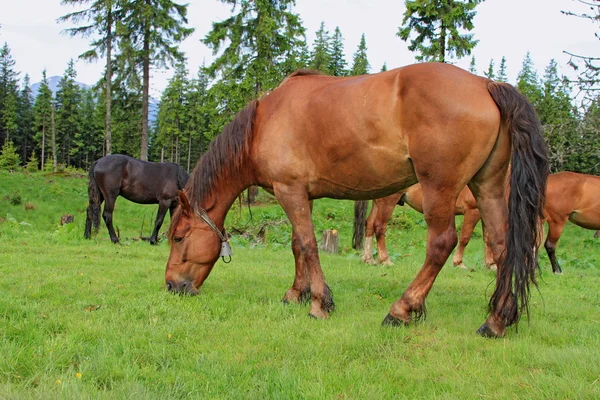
x: 219, y: 204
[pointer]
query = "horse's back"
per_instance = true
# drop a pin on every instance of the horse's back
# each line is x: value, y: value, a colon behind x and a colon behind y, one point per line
x: 372, y: 135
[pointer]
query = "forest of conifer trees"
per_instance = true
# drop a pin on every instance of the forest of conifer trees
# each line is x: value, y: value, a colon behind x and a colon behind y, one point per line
x: 260, y: 44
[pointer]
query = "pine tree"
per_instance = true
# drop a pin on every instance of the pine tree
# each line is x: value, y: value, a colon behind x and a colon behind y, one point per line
x: 384, y: 67
x: 337, y: 62
x: 502, y: 71
x: 321, y: 53
x: 556, y: 115
x: 172, y: 114
x: 473, y: 66
x: 25, y: 119
x: 100, y: 16
x: 490, y: 71
x: 201, y: 111
x: 360, y: 64
x: 68, y: 115
x: 42, y: 110
x: 439, y: 26
x: 255, y: 48
x: 528, y: 82
x: 9, y: 158
x: 8, y: 95
x: 154, y: 28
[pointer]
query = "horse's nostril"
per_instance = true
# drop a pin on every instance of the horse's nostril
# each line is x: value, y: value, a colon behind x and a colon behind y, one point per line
x: 169, y: 286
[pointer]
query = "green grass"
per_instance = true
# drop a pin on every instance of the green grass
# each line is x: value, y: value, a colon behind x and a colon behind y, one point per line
x: 89, y: 319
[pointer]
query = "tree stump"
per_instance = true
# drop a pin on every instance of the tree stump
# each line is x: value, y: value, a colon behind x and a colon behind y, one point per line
x: 329, y: 241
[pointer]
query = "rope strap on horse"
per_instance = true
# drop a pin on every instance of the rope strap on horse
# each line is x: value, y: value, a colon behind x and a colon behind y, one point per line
x: 225, y: 247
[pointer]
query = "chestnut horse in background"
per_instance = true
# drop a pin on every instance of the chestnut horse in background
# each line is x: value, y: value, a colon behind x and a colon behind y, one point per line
x: 574, y: 197
x: 382, y: 211
x: 367, y: 137
x: 141, y: 182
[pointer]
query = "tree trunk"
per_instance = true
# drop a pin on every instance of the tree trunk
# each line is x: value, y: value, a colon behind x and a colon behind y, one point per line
x: 189, y: 153
x: 108, y: 80
x: 43, y: 141
x: 54, y: 155
x: 145, y: 95
x: 330, y: 241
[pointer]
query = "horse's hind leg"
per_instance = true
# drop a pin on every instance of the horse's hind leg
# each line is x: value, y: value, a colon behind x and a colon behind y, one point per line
x: 386, y: 209
x: 438, y: 208
x: 163, y: 206
x: 489, y: 189
x: 109, y: 207
x: 469, y: 223
x: 367, y: 255
x: 555, y: 228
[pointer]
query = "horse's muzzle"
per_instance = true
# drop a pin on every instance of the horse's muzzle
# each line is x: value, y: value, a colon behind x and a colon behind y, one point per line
x: 183, y: 287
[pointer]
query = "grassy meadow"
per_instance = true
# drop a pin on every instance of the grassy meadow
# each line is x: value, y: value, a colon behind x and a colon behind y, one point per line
x: 89, y: 319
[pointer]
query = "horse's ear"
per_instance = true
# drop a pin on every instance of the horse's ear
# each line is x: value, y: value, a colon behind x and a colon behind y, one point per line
x: 184, y: 203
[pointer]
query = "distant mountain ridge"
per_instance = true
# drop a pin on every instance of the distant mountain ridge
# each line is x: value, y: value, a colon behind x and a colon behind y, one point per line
x: 53, y: 85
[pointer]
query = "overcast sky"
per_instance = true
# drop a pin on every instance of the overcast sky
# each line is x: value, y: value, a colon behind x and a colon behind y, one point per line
x: 507, y: 28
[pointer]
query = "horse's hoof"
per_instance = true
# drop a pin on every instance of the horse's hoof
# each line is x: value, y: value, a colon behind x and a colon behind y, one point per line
x: 386, y: 262
x: 557, y: 272
x: 390, y: 320
x: 318, y: 315
x: 461, y: 266
x: 485, y: 331
x: 492, y: 267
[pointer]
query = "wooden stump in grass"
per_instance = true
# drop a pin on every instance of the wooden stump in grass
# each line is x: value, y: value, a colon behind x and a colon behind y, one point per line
x: 329, y: 241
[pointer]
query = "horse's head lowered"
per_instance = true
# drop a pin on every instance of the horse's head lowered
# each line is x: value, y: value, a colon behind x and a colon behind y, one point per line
x: 195, y: 248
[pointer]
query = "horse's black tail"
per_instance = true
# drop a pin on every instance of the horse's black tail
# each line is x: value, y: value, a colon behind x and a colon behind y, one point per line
x: 182, y: 177
x: 529, y: 172
x: 360, y: 221
x: 401, y: 200
x: 93, y: 209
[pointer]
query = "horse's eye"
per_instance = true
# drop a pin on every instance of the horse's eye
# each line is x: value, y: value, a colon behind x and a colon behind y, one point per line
x: 178, y: 239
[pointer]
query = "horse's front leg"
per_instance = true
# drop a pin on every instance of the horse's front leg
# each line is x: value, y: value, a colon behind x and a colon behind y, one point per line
x: 300, y: 290
x: 309, y: 275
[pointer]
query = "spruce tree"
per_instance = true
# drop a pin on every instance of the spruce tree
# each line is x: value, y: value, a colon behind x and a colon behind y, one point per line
x: 439, y: 28
x: 42, y: 110
x: 154, y: 29
x: 473, y: 66
x: 255, y: 49
x: 8, y: 95
x: 490, y: 71
x: 360, y: 64
x: 321, y: 53
x: 528, y: 82
x: 25, y: 119
x: 502, y: 71
x: 337, y: 62
x: 100, y: 18
x: 68, y: 115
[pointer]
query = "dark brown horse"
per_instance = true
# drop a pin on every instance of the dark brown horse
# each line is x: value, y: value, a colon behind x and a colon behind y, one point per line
x: 367, y: 137
x: 142, y: 182
x: 570, y: 197
x: 382, y: 211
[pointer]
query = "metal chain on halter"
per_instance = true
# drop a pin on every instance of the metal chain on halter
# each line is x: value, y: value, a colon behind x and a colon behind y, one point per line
x: 225, y: 247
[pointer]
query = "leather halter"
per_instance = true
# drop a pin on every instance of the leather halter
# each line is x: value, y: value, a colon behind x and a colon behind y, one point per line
x: 225, y: 247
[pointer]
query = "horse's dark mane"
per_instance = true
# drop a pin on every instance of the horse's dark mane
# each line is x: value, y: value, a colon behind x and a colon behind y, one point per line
x: 225, y: 156
x: 302, y: 72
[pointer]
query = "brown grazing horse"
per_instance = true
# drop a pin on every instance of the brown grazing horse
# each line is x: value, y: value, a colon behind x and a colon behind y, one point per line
x: 573, y: 197
x: 141, y: 182
x: 382, y: 211
x: 366, y: 137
